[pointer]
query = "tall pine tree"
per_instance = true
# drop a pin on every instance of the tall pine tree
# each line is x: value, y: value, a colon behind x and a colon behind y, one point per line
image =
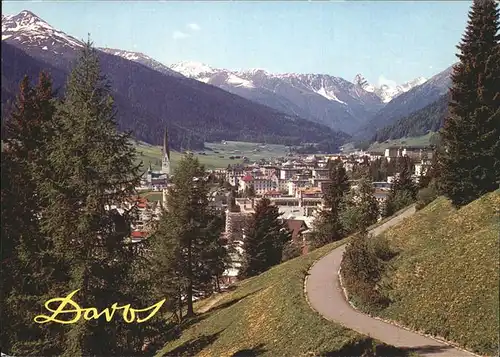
x: 265, y: 238
x: 471, y: 132
x: 187, y: 251
x: 360, y: 208
x: 403, y: 190
x: 94, y: 171
x: 327, y: 225
x: 33, y: 273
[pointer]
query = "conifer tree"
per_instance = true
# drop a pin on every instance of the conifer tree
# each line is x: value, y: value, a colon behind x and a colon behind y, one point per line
x: 471, y: 159
x: 95, y: 171
x: 188, y: 252
x: 265, y: 238
x: 167, y: 263
x: 403, y: 190
x: 34, y: 274
x: 360, y: 208
x: 327, y: 225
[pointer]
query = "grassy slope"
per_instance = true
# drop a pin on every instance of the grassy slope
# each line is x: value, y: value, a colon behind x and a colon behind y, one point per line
x: 149, y: 153
x: 445, y: 280
x: 268, y: 315
x: 411, y: 141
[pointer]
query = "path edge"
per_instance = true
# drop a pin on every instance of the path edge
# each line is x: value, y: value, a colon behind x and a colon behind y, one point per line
x: 391, y: 322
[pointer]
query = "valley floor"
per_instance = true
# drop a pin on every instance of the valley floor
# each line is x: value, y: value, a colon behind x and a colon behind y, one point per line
x: 216, y: 155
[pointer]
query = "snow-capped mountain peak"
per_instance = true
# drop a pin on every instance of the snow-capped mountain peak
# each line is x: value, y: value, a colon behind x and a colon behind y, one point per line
x: 132, y: 56
x: 405, y: 87
x: 192, y: 69
x: 385, y: 91
x: 254, y: 71
x: 214, y: 76
x: 30, y: 30
x: 361, y: 81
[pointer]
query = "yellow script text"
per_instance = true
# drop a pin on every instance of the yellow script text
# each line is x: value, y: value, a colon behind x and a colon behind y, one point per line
x: 68, y: 308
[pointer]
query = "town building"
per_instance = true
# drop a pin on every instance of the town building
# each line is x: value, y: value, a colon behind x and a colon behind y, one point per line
x: 158, y: 180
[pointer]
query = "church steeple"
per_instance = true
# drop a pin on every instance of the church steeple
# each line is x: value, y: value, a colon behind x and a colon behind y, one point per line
x: 166, y: 149
x: 165, y: 164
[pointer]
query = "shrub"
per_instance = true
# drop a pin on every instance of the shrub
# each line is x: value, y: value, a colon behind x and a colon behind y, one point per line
x: 380, y: 247
x: 361, y: 273
x: 426, y: 196
x: 397, y: 201
x: 291, y: 250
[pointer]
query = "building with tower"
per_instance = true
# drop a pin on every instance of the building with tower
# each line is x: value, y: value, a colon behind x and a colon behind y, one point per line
x: 158, y: 180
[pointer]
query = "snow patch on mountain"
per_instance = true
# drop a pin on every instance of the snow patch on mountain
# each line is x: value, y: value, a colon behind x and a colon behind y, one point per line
x: 239, y: 82
x: 328, y: 95
x: 142, y: 59
x: 205, y: 73
x: 254, y: 71
x: 192, y: 69
x: 132, y: 56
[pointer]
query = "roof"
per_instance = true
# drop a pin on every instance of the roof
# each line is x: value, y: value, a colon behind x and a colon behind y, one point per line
x: 309, y: 190
x: 296, y: 226
x: 139, y: 234
x: 247, y: 178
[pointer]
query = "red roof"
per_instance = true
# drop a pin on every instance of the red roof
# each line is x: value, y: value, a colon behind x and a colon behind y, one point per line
x: 138, y: 234
x: 247, y: 178
x: 296, y: 226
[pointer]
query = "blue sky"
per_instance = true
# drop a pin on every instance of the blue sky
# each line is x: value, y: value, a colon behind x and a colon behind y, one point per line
x: 384, y: 40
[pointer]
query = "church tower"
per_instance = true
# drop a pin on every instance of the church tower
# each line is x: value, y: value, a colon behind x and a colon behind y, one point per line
x: 165, y: 164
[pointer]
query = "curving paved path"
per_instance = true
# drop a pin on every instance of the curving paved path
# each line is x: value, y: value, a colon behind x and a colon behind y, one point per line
x: 326, y: 297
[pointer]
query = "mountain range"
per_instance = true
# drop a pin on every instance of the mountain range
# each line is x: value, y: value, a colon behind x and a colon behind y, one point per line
x: 321, y: 98
x: 147, y: 98
x: 204, y: 103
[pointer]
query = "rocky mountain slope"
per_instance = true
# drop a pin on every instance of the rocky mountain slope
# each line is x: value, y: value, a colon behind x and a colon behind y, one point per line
x: 408, y: 103
x: 321, y: 98
x: 148, y: 99
x: 385, y: 91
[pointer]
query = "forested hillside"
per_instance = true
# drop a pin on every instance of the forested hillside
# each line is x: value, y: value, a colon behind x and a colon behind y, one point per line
x: 148, y: 100
x: 419, y: 123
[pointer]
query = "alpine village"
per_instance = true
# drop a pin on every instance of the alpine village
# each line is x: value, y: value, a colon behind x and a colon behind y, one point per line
x: 149, y: 210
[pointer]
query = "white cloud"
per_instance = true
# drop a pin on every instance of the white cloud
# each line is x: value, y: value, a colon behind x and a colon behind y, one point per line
x: 177, y: 35
x: 382, y: 80
x: 194, y: 27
